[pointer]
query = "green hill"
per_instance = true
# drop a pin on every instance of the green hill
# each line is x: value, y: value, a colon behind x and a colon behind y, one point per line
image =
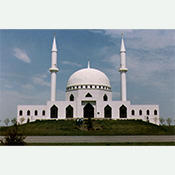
x: 99, y: 127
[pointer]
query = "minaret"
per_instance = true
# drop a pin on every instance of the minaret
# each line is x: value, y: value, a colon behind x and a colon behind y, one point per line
x: 53, y: 70
x: 123, y: 70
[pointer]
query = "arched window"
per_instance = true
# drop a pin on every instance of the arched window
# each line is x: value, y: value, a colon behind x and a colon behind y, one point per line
x: 71, y: 98
x: 105, y: 98
x: 155, y: 112
x: 140, y: 112
x: 20, y: 112
x: 108, y: 112
x: 36, y: 112
x: 69, y: 112
x: 88, y: 95
x: 147, y: 112
x: 43, y: 113
x: 132, y: 112
x: 28, y: 112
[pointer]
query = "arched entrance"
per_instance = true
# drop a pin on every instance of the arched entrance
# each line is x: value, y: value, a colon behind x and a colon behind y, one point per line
x: 108, y: 111
x: 53, y: 112
x: 123, y: 112
x: 69, y: 112
x: 88, y: 111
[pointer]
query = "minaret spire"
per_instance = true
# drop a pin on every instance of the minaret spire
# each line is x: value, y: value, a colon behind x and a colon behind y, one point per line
x: 54, y: 46
x: 123, y: 70
x: 53, y: 70
x: 122, y: 49
x: 88, y: 64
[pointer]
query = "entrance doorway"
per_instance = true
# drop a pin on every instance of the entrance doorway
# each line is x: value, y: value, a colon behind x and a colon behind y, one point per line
x: 108, y: 111
x: 53, y: 112
x: 123, y: 112
x: 88, y: 111
x: 69, y: 112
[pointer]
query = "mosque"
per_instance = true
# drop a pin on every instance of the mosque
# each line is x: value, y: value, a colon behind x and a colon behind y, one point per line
x: 88, y: 94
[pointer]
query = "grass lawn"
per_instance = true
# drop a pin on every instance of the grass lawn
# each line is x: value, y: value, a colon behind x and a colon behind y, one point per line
x: 100, y: 127
x: 105, y: 144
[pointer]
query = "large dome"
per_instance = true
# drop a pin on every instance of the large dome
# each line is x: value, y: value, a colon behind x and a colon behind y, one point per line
x: 88, y: 76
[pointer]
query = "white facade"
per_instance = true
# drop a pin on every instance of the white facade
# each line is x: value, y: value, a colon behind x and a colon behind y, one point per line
x: 88, y: 94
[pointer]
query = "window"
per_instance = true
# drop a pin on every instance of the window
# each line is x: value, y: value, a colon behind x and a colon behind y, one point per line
x: 140, y: 112
x: 43, y: 113
x: 147, y: 112
x: 36, y: 112
x: 71, y: 98
x: 20, y: 112
x: 105, y: 98
x: 155, y: 112
x: 88, y: 95
x: 132, y: 112
x: 90, y: 86
x: 28, y: 112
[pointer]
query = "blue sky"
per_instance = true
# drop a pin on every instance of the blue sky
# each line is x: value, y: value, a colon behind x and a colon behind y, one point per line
x: 25, y: 57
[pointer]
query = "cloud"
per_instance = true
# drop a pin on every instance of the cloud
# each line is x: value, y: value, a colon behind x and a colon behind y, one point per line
x: 40, y: 80
x: 141, y: 39
x: 21, y: 55
x: 145, y: 39
x: 141, y: 70
x: 71, y: 63
x: 27, y: 86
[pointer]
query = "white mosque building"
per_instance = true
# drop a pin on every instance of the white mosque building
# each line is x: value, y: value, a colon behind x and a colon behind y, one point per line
x: 89, y: 94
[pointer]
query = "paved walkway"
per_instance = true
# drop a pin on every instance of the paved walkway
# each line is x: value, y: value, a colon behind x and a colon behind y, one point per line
x: 96, y: 139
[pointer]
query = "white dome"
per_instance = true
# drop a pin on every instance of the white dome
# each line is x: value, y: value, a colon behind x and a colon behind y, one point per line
x: 88, y: 76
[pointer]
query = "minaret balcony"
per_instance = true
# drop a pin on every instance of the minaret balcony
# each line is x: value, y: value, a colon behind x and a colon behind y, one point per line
x: 53, y: 69
x: 123, y: 69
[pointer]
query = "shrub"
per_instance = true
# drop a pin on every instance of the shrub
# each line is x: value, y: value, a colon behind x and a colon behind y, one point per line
x: 7, y: 121
x: 169, y: 121
x: 13, y: 137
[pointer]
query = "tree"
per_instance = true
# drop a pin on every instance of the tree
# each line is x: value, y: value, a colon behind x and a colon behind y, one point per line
x: 162, y: 120
x: 7, y: 121
x: 14, y: 121
x: 169, y: 121
x: 22, y: 119
x: 13, y: 137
